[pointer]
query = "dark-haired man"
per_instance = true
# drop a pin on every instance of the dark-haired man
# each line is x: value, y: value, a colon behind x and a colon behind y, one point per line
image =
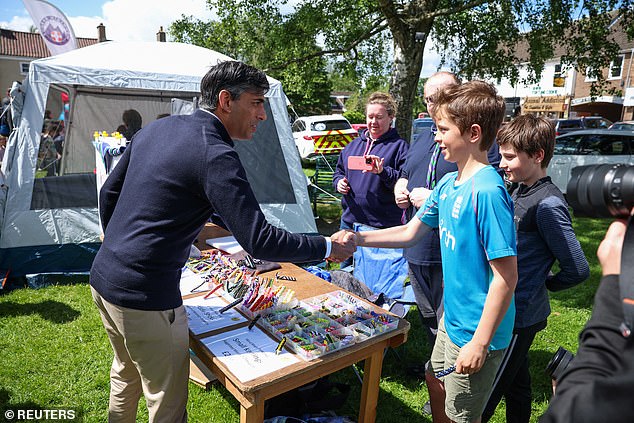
x: 177, y: 172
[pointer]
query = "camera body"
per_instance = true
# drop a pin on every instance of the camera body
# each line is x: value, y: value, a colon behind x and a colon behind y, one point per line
x: 559, y: 363
x: 359, y: 163
x: 605, y: 190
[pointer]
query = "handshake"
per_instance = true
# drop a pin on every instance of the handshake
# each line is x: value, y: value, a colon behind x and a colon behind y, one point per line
x: 344, y: 244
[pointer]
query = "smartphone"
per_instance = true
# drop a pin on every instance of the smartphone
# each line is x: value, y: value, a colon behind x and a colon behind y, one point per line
x: 359, y: 163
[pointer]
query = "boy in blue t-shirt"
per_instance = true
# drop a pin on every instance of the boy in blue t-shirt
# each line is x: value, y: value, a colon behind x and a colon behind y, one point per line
x: 474, y: 215
x: 544, y: 235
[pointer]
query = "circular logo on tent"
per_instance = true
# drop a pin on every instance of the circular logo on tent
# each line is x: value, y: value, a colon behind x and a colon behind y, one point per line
x: 55, y: 30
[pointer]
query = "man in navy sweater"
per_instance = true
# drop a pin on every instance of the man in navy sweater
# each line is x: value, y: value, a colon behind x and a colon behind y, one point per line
x: 171, y: 178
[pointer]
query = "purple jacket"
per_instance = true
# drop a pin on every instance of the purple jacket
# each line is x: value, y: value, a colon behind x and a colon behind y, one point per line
x: 371, y: 197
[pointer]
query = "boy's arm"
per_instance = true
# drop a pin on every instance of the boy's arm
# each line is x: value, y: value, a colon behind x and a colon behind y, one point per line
x: 473, y: 353
x: 396, y: 237
x: 555, y: 227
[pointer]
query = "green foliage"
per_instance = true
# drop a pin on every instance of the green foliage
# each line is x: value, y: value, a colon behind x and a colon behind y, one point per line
x: 354, y: 116
x: 491, y: 39
x: 289, y: 46
x: 260, y: 35
x: 351, y: 39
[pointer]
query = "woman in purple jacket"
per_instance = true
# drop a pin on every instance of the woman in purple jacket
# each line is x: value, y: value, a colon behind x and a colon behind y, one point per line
x: 368, y: 196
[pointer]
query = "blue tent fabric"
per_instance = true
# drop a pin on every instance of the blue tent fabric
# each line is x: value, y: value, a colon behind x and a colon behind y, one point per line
x: 383, y: 270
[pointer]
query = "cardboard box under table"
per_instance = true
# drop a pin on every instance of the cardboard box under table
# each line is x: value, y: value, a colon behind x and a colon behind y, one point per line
x: 245, y: 362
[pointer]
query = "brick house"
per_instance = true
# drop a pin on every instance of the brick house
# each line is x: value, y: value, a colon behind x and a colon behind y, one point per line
x: 619, y: 77
x: 18, y: 49
x: 562, y: 93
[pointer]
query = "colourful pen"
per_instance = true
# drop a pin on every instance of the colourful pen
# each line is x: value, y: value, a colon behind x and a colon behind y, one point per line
x: 280, y: 346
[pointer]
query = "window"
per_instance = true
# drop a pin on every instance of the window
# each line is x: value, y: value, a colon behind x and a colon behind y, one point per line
x: 559, y: 77
x: 24, y: 68
x: 570, y: 124
x: 597, y: 123
x: 604, y: 145
x: 299, y: 126
x: 616, y: 68
x: 568, y: 144
x: 330, y: 125
x: 591, y: 74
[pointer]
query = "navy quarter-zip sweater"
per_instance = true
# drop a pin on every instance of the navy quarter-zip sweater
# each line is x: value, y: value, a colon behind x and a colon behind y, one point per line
x: 544, y: 234
x: 176, y: 172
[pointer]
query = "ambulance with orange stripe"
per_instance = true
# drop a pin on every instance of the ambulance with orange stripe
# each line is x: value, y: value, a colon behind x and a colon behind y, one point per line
x: 323, y: 134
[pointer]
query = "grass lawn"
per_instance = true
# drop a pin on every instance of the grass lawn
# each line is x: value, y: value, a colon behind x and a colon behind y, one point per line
x: 56, y: 355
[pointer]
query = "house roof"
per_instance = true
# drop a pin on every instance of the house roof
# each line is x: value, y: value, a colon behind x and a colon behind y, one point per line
x: 30, y: 44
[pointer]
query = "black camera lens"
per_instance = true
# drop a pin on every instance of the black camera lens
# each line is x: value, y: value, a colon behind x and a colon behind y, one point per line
x: 558, y: 363
x: 605, y: 190
x: 368, y: 160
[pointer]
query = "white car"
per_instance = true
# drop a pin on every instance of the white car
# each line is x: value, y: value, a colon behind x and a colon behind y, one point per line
x: 589, y: 147
x: 323, y: 134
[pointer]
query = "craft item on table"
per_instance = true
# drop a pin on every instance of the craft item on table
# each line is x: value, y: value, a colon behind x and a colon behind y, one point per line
x: 204, y: 315
x: 254, y: 321
x: 202, y: 264
x: 262, y: 295
x: 230, y: 305
x: 284, y: 277
x: 260, y: 266
x: 279, y: 347
x: 209, y: 294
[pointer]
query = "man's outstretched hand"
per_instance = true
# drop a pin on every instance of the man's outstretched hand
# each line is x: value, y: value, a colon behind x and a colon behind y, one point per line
x: 344, y: 245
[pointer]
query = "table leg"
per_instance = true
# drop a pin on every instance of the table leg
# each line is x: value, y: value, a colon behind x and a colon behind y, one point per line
x: 252, y: 414
x: 370, y: 389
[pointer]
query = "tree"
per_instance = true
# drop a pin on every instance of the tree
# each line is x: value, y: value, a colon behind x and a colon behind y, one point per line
x: 261, y: 36
x: 474, y: 37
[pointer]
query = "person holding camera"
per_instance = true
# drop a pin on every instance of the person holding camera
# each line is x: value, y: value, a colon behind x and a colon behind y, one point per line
x: 597, y: 386
x: 544, y: 235
x: 369, y: 167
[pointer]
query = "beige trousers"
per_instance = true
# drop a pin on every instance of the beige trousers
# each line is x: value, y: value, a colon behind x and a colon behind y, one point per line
x: 151, y: 356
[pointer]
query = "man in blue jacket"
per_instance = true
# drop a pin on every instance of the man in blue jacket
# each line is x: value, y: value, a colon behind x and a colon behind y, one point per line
x: 177, y: 172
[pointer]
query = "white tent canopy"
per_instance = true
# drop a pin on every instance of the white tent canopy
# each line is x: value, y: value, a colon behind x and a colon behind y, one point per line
x: 50, y: 223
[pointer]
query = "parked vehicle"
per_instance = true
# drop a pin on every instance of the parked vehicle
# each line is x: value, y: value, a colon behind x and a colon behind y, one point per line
x: 626, y: 125
x: 359, y: 127
x: 563, y: 126
x: 420, y: 124
x: 589, y: 147
x: 323, y: 134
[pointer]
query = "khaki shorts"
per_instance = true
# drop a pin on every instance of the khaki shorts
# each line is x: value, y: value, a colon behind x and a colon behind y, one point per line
x: 466, y: 395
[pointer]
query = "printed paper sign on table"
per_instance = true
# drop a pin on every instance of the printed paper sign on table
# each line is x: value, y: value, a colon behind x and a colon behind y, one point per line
x: 248, y: 354
x: 203, y: 314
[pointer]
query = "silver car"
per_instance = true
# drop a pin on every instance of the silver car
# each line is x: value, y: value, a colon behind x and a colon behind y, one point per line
x: 589, y: 147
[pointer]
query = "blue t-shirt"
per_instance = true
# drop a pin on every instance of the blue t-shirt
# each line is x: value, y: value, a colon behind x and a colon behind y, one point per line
x: 475, y: 223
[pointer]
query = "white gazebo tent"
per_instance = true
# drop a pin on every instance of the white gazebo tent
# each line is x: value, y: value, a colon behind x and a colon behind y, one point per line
x: 50, y: 224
